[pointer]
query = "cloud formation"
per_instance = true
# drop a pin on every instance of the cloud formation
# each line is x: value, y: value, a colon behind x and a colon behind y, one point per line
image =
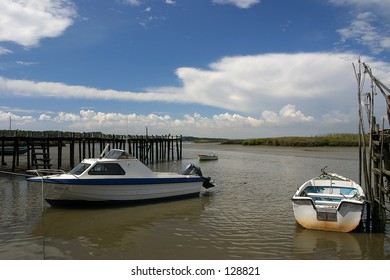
x: 243, y: 4
x: 363, y: 31
x: 369, y: 24
x: 262, y: 90
x: 26, y: 22
x: 246, y: 84
x: 226, y: 124
x: 254, y: 91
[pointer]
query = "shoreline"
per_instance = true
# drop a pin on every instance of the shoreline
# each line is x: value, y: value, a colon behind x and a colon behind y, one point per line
x: 318, y: 151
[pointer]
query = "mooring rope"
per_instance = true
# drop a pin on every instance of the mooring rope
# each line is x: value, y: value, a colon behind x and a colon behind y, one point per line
x: 15, y: 173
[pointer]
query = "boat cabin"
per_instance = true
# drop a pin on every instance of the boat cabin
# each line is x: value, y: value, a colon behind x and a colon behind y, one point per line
x: 115, y: 163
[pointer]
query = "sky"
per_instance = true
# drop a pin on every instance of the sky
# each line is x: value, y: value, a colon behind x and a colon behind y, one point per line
x: 206, y: 68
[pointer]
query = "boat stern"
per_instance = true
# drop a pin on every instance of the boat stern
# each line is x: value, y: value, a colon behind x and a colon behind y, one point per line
x: 344, y: 217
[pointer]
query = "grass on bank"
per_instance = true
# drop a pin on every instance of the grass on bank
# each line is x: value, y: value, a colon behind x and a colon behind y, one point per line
x: 332, y: 140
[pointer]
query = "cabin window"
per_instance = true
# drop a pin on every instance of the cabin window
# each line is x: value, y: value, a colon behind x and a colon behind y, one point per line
x: 80, y: 168
x: 118, y: 154
x: 106, y: 169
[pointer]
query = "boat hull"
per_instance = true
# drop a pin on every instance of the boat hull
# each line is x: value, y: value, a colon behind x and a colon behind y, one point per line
x: 207, y: 157
x: 345, y: 218
x: 88, y: 192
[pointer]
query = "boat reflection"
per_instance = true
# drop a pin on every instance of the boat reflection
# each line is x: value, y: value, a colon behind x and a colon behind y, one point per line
x: 325, y: 245
x: 111, y: 233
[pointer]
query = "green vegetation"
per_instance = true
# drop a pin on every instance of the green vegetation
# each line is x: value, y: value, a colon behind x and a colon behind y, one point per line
x: 202, y: 140
x: 332, y: 140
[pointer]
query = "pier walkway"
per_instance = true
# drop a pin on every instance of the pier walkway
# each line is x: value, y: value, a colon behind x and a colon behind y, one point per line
x: 23, y: 150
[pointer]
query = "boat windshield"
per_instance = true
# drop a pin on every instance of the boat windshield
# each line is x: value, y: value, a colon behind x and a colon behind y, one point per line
x: 118, y: 154
x: 79, y: 168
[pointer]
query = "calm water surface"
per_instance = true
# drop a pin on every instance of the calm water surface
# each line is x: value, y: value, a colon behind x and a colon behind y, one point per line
x: 247, y: 216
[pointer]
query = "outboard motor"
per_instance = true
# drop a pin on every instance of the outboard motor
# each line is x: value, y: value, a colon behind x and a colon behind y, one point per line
x: 192, y: 169
x: 207, y: 183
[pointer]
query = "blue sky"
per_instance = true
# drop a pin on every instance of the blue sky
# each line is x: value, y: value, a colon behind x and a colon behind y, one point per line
x: 206, y: 68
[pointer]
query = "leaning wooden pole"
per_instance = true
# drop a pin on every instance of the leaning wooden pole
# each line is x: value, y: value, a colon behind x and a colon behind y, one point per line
x: 378, y: 171
x: 363, y: 168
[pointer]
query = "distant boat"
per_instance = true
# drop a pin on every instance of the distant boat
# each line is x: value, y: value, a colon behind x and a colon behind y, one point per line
x: 202, y: 157
x: 329, y: 202
x: 118, y: 178
x: 9, y: 151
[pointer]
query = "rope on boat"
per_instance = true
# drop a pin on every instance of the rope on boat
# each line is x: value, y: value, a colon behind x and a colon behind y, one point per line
x: 333, y: 175
x: 14, y: 173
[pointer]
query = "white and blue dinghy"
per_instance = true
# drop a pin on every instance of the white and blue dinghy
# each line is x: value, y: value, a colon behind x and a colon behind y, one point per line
x: 118, y: 178
x: 329, y: 202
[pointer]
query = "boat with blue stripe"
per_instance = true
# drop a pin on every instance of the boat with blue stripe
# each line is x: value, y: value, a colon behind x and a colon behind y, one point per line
x: 117, y: 178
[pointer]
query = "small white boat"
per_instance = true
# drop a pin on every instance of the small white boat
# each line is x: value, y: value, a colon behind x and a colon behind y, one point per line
x: 207, y: 157
x: 118, y: 178
x: 329, y: 202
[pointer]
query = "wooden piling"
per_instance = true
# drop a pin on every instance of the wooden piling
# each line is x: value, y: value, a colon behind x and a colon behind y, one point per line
x: 46, y: 149
x: 374, y: 156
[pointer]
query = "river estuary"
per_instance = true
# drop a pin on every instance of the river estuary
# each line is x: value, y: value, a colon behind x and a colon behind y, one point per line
x: 248, y: 215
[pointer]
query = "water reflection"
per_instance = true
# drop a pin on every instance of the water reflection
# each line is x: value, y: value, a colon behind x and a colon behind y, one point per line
x: 324, y: 245
x: 20, y: 209
x: 110, y: 233
x: 247, y: 216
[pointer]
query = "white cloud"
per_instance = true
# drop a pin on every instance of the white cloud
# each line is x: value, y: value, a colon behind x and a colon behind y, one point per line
x: 287, y: 115
x: 246, y: 84
x: 383, y: 4
x: 290, y: 113
x: 288, y: 91
x: 34, y: 89
x: 26, y: 63
x: 4, y: 51
x: 253, y: 83
x: 369, y: 26
x: 227, y: 125
x: 135, y: 3
x: 21, y: 120
x: 364, y: 31
x: 243, y: 4
x: 44, y: 117
x: 26, y: 22
x: 336, y: 117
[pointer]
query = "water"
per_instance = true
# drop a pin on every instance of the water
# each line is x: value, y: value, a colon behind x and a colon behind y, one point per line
x: 247, y: 216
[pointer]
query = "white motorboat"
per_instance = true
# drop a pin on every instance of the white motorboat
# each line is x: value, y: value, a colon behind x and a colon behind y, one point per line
x: 329, y: 202
x: 118, y: 178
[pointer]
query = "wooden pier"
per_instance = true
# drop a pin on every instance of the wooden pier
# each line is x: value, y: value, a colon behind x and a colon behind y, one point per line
x: 23, y: 150
x: 380, y: 188
x: 374, y: 150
